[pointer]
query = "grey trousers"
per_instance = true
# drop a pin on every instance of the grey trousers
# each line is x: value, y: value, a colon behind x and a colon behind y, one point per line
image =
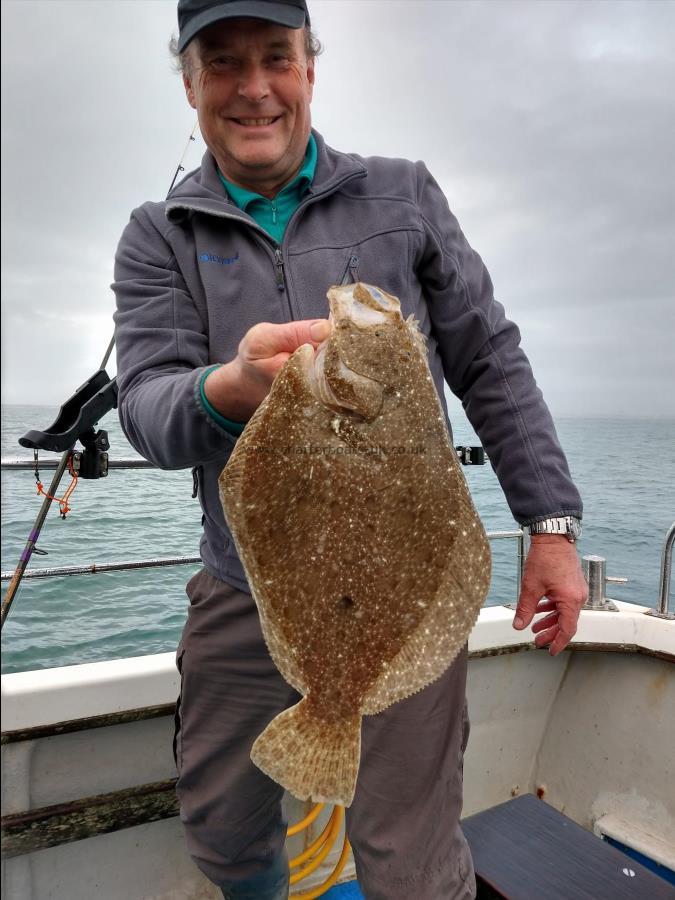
x: 404, y: 822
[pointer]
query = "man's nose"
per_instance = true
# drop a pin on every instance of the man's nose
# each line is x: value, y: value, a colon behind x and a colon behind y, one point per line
x: 254, y: 84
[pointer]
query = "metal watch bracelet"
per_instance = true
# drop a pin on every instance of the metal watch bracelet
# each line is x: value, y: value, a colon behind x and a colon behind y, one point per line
x: 570, y: 526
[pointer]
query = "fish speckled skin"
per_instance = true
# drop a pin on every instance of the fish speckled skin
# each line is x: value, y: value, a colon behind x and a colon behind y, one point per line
x: 363, y: 550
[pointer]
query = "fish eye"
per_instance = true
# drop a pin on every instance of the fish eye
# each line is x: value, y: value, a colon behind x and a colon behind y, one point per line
x: 346, y: 601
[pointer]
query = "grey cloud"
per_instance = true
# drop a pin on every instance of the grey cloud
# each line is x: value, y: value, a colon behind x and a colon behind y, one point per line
x: 550, y: 127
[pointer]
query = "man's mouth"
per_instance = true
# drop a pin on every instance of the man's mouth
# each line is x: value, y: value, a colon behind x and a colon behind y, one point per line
x: 248, y: 123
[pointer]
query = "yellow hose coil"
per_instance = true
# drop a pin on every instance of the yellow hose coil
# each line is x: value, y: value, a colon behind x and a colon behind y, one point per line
x: 314, y: 846
x: 332, y: 830
x: 306, y: 822
x: 322, y: 847
x: 330, y: 881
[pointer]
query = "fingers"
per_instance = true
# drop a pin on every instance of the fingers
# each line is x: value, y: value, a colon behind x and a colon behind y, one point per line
x: 546, y: 637
x: 554, y: 638
x: 527, y: 606
x: 552, y: 584
x: 536, y: 580
x: 559, y: 642
x: 320, y: 330
x: 545, y: 605
x: 568, y: 617
x: 557, y: 629
x: 266, y: 340
x: 546, y: 622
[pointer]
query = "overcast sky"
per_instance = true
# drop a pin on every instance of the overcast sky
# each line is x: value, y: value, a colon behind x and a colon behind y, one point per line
x: 550, y: 126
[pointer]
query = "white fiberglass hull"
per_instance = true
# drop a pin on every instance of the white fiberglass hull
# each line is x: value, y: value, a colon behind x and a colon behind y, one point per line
x: 590, y: 731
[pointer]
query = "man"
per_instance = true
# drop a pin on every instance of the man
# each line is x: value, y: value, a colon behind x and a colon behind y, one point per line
x: 216, y: 287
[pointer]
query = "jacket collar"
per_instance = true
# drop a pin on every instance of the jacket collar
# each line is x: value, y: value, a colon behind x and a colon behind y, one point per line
x: 202, y: 190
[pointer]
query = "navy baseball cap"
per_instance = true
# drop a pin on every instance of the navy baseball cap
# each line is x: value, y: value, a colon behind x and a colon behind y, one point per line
x: 193, y: 15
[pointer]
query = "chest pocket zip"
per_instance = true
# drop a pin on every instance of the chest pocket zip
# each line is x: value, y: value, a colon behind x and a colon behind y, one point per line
x: 351, y: 273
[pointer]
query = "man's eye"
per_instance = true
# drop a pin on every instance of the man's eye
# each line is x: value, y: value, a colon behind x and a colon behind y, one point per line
x: 224, y: 62
x: 278, y: 60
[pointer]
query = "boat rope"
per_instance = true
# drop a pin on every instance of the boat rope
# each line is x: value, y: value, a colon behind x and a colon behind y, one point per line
x: 64, y: 505
x: 317, y: 851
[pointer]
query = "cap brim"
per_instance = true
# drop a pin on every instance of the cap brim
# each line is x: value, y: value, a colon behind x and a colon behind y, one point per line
x: 279, y: 13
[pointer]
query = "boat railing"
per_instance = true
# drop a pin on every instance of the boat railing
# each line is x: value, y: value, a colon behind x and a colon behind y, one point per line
x: 592, y: 564
x: 664, y: 578
x: 47, y: 463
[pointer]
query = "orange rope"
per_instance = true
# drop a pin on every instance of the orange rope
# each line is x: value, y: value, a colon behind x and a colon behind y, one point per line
x: 64, y: 507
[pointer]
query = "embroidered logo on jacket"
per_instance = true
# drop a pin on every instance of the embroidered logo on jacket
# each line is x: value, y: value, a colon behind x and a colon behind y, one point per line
x: 221, y: 260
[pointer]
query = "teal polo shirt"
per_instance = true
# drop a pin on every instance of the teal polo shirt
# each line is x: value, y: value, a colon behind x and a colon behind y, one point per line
x: 273, y: 216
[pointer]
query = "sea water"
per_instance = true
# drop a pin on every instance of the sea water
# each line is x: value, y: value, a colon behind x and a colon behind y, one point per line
x: 623, y: 468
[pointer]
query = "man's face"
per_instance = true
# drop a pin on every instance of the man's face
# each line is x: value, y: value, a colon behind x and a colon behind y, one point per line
x: 251, y: 84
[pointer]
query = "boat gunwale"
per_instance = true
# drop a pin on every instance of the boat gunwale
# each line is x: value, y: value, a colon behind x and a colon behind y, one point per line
x: 41, y: 703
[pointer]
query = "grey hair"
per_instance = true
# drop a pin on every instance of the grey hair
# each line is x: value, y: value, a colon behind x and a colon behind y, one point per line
x: 182, y: 62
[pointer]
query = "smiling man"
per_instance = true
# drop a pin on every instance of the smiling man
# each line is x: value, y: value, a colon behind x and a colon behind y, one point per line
x: 216, y: 287
x: 251, y: 84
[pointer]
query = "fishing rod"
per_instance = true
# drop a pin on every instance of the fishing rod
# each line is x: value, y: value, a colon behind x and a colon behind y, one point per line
x: 181, y: 167
x: 76, y: 421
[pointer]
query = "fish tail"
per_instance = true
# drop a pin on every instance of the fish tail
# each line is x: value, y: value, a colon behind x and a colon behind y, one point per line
x: 310, y: 757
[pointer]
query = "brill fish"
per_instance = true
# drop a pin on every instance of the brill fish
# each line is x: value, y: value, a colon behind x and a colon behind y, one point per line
x: 364, y: 553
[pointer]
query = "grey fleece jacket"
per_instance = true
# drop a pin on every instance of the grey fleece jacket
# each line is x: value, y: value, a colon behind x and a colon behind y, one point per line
x: 194, y: 273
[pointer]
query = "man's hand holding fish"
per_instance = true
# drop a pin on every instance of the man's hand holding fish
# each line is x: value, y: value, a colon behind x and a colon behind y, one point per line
x: 238, y: 388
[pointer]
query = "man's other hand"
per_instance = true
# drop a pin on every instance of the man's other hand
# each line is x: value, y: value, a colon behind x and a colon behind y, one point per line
x: 552, y: 583
x: 237, y: 389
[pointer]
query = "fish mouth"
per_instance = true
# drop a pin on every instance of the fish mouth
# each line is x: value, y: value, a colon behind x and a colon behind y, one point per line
x: 363, y: 395
x: 340, y: 388
x: 318, y: 382
x: 330, y: 379
x: 363, y: 304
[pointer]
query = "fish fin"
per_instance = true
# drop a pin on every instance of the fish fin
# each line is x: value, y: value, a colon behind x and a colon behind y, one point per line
x: 441, y: 634
x: 310, y: 757
x: 233, y: 476
x: 418, y: 336
x: 278, y: 645
x: 231, y: 484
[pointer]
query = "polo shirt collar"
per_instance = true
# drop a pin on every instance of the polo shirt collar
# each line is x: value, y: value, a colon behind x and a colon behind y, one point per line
x: 243, y: 198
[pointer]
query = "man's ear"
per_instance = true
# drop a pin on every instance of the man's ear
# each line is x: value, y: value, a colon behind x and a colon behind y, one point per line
x: 310, y: 76
x: 189, y: 91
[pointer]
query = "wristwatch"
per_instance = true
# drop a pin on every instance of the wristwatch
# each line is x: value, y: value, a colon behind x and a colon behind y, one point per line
x: 570, y: 526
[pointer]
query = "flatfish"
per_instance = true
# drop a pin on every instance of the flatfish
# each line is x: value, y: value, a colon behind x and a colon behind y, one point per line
x: 360, y: 542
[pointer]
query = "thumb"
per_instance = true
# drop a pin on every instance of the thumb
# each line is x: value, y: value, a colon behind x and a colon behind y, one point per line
x: 265, y: 340
x: 527, y: 605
